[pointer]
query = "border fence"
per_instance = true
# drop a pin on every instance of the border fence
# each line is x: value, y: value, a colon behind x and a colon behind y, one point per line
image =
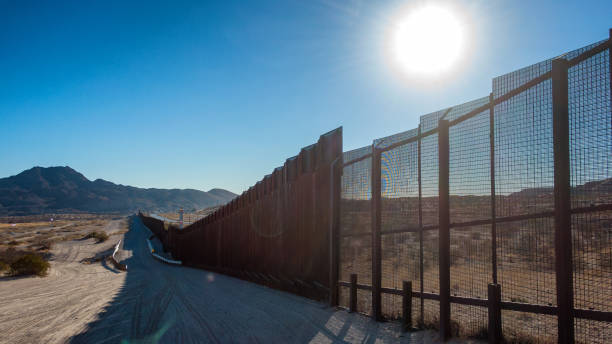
x: 497, y: 212
x: 275, y: 233
x: 492, y: 219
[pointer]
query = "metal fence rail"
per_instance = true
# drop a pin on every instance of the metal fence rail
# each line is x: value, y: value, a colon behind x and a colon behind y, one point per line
x: 497, y: 211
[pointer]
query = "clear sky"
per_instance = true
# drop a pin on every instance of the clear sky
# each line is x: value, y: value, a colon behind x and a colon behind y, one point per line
x: 210, y: 94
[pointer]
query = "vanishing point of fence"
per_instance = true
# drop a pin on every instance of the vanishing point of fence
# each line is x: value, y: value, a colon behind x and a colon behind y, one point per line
x: 491, y: 219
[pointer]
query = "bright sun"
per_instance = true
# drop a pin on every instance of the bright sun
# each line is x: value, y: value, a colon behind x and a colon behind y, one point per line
x: 429, y: 41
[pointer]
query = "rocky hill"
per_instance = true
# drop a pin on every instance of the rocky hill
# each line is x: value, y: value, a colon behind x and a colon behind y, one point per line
x: 62, y: 189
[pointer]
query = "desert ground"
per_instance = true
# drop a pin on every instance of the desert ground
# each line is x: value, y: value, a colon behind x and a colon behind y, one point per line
x: 87, y: 301
x: 39, y: 232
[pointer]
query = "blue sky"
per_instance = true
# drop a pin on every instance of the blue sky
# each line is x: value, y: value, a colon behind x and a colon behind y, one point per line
x: 216, y: 94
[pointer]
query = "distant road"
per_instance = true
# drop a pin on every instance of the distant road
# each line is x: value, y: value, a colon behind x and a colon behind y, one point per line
x: 155, y: 302
x: 165, y: 219
x: 159, y: 217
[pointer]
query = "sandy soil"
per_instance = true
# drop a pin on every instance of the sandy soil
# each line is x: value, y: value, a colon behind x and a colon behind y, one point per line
x: 54, y: 308
x: 154, y: 302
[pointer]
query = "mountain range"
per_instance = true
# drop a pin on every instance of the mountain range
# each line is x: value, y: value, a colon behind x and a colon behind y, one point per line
x: 64, y: 190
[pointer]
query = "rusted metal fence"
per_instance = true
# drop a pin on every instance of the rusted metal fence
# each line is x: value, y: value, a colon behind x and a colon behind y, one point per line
x: 498, y: 212
x: 278, y: 232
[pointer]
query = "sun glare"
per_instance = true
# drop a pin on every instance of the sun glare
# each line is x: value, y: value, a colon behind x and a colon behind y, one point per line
x: 428, y: 41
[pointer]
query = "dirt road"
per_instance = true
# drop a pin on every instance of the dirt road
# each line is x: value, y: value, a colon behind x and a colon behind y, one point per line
x: 154, y: 302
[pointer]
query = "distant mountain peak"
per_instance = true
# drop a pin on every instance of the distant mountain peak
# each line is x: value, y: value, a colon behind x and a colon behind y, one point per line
x: 225, y: 194
x: 66, y: 171
x: 63, y: 189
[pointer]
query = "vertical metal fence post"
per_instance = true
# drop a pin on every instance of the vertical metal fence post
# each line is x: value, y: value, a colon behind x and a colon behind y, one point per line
x: 334, y: 243
x: 421, y: 288
x: 493, y: 207
x: 563, y: 234
x: 406, y: 305
x: 376, y: 245
x: 333, y: 258
x: 353, y: 294
x: 494, y: 303
x: 444, y: 225
x: 494, y: 289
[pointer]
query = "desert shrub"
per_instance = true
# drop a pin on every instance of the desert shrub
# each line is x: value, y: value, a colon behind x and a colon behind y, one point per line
x: 11, y: 254
x: 4, y: 267
x: 30, y: 264
x: 100, y: 236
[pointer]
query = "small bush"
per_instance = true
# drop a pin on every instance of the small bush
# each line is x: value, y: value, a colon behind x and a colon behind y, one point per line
x: 100, y: 236
x: 30, y: 264
x: 4, y: 267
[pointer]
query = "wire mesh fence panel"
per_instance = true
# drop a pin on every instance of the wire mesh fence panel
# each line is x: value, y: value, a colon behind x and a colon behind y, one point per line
x: 400, y: 188
x: 355, y: 206
x: 356, y: 258
x: 344, y: 294
x: 526, y: 266
x: 524, y: 168
x: 430, y: 121
x: 459, y: 110
x: 431, y: 315
x: 387, y: 141
x: 400, y: 212
x: 469, y: 321
x: 356, y: 226
x: 400, y: 262
x: 429, y: 204
x: 591, y: 185
x: 592, y: 247
x: 592, y: 331
x: 470, y: 200
x: 470, y: 273
x: 364, y: 301
x: 470, y: 170
x: 590, y: 131
x: 429, y: 180
x: 524, y: 172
